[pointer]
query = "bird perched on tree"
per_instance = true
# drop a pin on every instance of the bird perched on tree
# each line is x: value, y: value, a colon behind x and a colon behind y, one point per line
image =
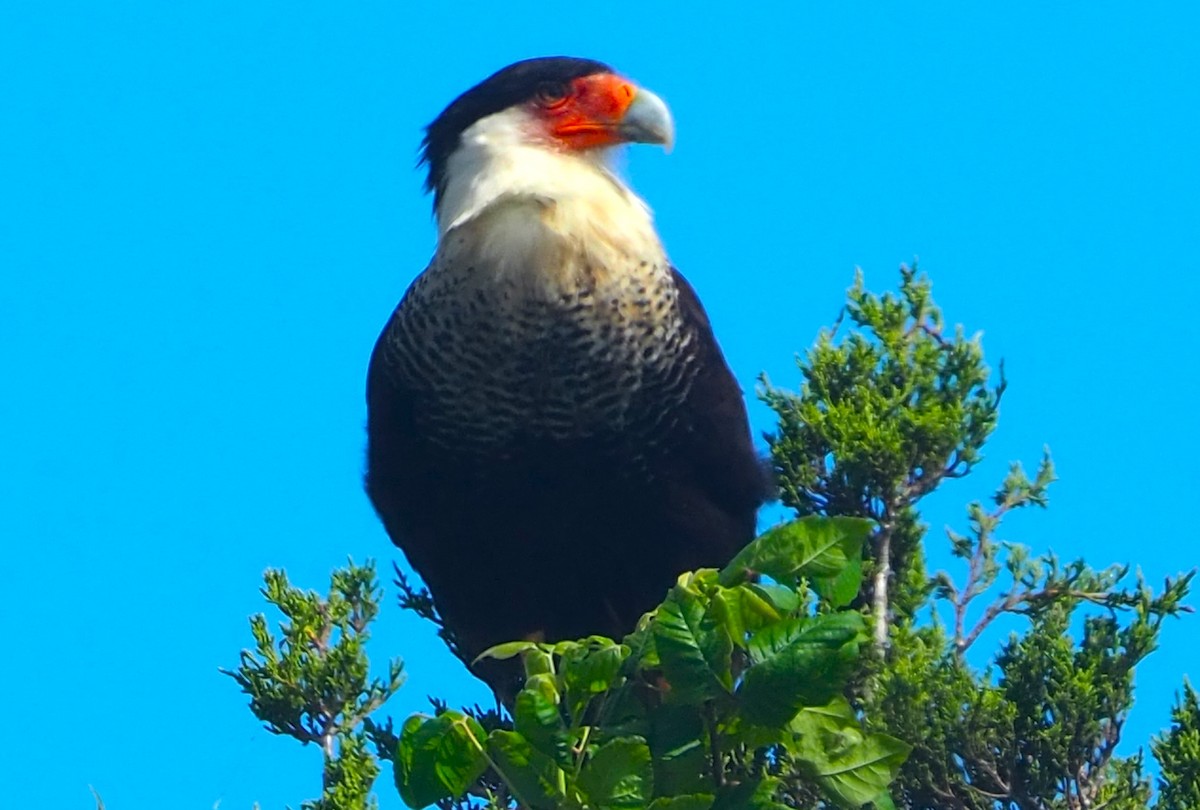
x: 553, y: 432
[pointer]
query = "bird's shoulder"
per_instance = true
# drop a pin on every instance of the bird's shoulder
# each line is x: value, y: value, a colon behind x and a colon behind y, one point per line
x: 716, y: 447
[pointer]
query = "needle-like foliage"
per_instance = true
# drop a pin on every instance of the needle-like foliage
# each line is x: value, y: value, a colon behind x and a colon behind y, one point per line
x: 1178, y: 754
x: 889, y: 409
x: 312, y: 681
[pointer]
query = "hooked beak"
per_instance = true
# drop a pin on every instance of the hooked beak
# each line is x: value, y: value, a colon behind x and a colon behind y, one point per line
x: 647, y: 120
x: 607, y: 110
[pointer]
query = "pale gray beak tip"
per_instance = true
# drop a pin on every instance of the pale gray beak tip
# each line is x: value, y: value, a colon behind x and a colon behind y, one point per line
x: 648, y: 120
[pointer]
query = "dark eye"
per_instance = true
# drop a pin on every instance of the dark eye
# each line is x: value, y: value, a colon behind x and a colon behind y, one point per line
x: 551, y: 93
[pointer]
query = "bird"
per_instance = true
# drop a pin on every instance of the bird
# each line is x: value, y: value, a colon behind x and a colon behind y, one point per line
x: 553, y: 433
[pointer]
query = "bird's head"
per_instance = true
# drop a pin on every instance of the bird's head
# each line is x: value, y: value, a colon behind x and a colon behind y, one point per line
x: 559, y: 104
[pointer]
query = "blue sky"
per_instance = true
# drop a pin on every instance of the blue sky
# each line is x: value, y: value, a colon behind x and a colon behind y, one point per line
x: 208, y: 210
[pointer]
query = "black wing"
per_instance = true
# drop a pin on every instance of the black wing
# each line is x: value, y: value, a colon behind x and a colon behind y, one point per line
x: 716, y: 480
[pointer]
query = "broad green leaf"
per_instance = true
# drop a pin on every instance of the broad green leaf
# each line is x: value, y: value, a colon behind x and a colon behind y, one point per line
x: 531, y: 775
x: 624, y: 713
x: 694, y: 801
x: 840, y: 590
x: 699, y: 580
x: 502, y: 652
x: 784, y: 600
x: 820, y: 548
x: 565, y: 646
x: 884, y: 802
x: 536, y: 717
x: 642, y: 652
x: 837, y: 713
x: 751, y: 794
x: 676, y: 741
x: 439, y: 758
x: 798, y: 662
x: 589, y: 670
x: 741, y: 610
x: 592, y: 668
x: 753, y: 736
x: 694, y: 648
x: 852, y: 767
x: 619, y: 774
x: 405, y: 752
x: 538, y: 662
x: 830, y: 628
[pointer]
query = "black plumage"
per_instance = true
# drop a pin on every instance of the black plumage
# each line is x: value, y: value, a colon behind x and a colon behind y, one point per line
x: 551, y: 456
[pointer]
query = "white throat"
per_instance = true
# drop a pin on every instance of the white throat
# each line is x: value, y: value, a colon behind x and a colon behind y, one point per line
x: 501, y: 158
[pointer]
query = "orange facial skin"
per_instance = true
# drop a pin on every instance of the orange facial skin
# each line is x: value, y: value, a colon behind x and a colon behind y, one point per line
x: 587, y: 113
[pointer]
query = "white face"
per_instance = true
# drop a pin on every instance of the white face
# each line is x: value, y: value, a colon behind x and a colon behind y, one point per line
x: 554, y: 145
x: 526, y: 208
x: 511, y: 154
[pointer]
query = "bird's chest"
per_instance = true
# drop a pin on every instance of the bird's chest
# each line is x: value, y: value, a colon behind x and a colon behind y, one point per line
x: 497, y: 361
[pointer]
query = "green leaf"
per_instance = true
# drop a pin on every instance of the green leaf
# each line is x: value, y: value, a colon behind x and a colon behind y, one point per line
x: 694, y: 648
x: 623, y: 712
x: 741, y: 610
x: 851, y: 767
x: 750, y: 794
x: 677, y: 740
x: 619, y: 774
x: 796, y: 663
x: 1178, y: 753
x: 884, y: 802
x: 531, y: 775
x: 537, y: 662
x: 694, y: 801
x: 784, y: 600
x: 591, y: 669
x: 565, y: 646
x: 536, y: 717
x: 820, y: 548
x: 642, y: 652
x: 439, y: 758
x: 502, y: 652
x: 840, y: 590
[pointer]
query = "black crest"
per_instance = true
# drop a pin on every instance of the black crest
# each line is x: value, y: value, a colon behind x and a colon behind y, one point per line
x: 512, y: 85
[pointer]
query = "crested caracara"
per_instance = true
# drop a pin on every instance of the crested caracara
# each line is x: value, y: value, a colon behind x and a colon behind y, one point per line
x: 553, y: 432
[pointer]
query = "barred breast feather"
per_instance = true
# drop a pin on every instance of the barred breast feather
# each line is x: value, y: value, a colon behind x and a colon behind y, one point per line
x: 553, y: 432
